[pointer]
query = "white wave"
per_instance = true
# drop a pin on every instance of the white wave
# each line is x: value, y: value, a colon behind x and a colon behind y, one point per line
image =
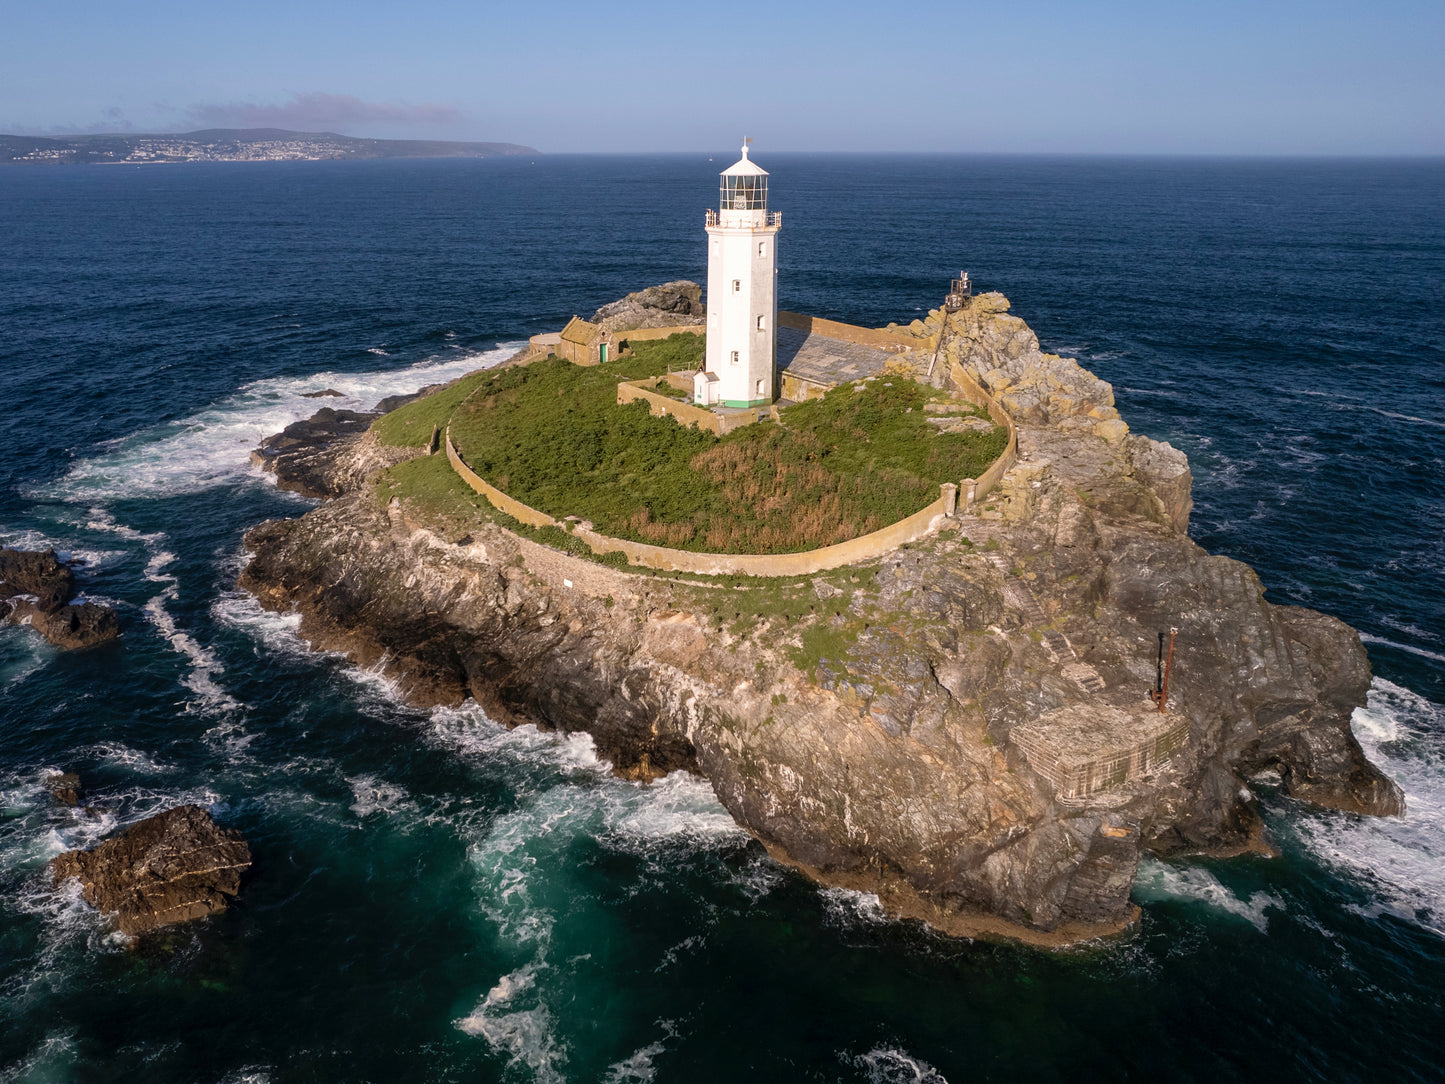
x: 22, y: 653
x: 521, y: 1034
x: 848, y: 907
x: 99, y: 519
x: 53, y: 1059
x: 134, y: 760
x: 636, y: 1067
x: 1159, y: 881
x: 67, y: 551
x: 373, y: 795
x: 1401, y: 859
x: 278, y: 632
x: 890, y: 1065
x: 678, y: 808
x: 1435, y: 656
x: 212, y: 447
x: 248, y: 1074
x: 204, y: 665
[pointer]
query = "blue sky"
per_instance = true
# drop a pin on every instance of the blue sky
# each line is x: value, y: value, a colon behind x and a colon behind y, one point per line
x: 1031, y: 76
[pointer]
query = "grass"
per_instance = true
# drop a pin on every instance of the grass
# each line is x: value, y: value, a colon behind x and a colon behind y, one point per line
x: 552, y: 435
x: 411, y: 426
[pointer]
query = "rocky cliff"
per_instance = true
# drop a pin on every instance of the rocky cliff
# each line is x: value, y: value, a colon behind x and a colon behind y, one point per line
x: 963, y: 726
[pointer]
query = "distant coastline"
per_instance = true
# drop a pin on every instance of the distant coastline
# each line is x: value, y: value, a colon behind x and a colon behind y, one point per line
x: 233, y: 145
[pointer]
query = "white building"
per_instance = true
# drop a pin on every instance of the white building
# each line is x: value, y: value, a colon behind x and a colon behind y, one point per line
x: 742, y: 290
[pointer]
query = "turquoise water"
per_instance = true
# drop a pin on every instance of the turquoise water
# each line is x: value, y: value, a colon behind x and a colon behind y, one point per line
x: 435, y: 898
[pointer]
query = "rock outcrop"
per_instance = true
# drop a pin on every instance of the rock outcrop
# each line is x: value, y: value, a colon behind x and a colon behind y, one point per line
x: 36, y: 590
x: 670, y: 305
x: 64, y: 787
x: 963, y: 726
x: 332, y: 451
x: 173, y: 867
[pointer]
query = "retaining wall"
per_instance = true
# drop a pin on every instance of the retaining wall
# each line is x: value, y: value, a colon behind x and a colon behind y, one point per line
x: 976, y: 489
x: 498, y: 499
x: 644, y: 334
x: 849, y: 333
x: 662, y: 406
x: 863, y: 548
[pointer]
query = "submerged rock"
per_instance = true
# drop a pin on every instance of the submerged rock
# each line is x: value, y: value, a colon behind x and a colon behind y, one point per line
x: 36, y: 589
x: 173, y: 867
x: 64, y: 787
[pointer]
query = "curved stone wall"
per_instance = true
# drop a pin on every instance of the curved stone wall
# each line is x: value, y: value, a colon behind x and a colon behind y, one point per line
x: 863, y: 548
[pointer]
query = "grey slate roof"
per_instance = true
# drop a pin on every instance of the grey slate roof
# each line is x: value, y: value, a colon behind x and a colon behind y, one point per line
x: 826, y: 361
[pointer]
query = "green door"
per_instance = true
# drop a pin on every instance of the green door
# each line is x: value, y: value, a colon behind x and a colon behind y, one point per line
x: 602, y: 353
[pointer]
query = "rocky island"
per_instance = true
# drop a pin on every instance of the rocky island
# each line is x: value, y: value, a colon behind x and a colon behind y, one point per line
x: 962, y: 724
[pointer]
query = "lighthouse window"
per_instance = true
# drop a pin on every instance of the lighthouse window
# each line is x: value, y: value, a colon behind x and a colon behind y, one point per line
x: 735, y: 357
x: 737, y: 286
x: 761, y: 325
x: 762, y: 248
x: 745, y: 193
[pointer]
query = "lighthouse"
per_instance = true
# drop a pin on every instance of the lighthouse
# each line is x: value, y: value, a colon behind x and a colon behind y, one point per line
x: 742, y: 289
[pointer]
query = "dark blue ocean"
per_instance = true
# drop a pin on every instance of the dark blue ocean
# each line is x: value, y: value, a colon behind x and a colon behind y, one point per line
x: 437, y: 899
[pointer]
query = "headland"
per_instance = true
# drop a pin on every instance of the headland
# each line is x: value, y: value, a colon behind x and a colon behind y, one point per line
x: 960, y: 720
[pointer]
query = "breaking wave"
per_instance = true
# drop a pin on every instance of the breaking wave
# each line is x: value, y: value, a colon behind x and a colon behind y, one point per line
x: 212, y: 447
x: 1158, y: 881
x: 1401, y: 859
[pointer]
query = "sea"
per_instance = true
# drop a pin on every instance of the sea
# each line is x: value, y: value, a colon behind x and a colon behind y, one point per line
x: 436, y: 898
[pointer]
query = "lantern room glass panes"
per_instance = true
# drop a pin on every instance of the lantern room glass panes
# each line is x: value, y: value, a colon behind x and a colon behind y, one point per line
x: 747, y: 193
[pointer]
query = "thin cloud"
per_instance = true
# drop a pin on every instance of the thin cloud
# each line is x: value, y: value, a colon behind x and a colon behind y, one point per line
x: 320, y: 110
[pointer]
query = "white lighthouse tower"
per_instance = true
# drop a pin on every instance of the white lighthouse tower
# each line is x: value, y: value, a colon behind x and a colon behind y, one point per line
x: 742, y: 288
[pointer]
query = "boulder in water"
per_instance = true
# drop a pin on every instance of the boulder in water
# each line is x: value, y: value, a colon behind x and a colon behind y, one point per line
x: 36, y: 589
x: 173, y: 867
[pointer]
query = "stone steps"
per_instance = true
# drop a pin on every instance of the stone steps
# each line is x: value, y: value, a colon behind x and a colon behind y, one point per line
x: 1018, y: 595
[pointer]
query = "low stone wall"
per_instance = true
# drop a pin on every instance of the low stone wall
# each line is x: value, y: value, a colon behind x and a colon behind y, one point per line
x: 498, y: 499
x: 976, y: 489
x: 662, y: 406
x: 645, y: 334
x: 848, y: 333
x: 863, y: 548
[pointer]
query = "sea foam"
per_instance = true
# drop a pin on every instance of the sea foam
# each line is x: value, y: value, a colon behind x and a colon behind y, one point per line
x: 212, y: 447
x: 1401, y: 859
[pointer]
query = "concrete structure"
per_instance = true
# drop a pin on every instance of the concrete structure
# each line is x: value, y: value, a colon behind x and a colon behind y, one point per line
x: 742, y: 295
x: 1083, y: 749
x: 705, y: 388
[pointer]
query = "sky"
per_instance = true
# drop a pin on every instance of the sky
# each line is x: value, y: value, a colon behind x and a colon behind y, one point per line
x: 1027, y: 76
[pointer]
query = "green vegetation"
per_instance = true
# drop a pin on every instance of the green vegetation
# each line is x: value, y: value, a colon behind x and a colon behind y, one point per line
x: 411, y: 426
x: 552, y: 435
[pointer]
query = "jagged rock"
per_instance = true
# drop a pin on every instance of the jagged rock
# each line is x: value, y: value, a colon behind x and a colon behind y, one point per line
x: 173, y: 867
x: 36, y: 589
x: 49, y: 583
x: 1165, y: 469
x: 668, y: 305
x: 64, y: 787
x: 332, y: 451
